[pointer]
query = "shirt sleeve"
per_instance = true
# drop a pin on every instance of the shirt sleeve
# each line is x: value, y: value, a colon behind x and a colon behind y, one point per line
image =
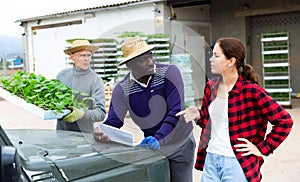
x: 278, y: 117
x: 117, y: 108
x: 174, y: 99
x: 97, y: 113
x: 204, y: 115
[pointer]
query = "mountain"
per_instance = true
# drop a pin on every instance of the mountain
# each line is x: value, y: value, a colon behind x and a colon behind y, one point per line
x: 11, y: 46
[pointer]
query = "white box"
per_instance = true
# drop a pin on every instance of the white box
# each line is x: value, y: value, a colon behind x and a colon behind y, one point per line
x: 43, y: 114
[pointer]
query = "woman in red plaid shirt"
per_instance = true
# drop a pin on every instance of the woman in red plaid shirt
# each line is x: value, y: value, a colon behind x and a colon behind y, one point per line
x: 234, y: 115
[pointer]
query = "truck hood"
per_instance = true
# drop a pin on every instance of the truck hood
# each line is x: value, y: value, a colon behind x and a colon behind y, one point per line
x: 73, y: 154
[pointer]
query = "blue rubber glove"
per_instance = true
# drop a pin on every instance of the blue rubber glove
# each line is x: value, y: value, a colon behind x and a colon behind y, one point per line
x: 150, y: 142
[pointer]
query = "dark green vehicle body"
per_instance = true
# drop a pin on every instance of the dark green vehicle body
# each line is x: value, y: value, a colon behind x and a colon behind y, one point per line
x: 50, y: 155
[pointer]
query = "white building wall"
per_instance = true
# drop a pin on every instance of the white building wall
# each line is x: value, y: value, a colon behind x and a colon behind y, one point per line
x: 45, y: 46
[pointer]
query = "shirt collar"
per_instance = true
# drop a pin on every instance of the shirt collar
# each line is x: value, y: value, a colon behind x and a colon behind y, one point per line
x: 140, y: 83
x: 236, y: 88
x: 238, y: 85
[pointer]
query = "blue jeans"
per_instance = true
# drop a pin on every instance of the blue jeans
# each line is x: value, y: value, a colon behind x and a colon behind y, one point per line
x: 218, y: 168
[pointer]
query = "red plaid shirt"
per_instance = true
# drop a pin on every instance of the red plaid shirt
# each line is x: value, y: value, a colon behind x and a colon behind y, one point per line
x: 249, y: 109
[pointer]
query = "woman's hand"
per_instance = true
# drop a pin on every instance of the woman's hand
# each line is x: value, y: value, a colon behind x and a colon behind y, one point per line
x: 248, y: 148
x: 99, y: 136
x: 190, y: 114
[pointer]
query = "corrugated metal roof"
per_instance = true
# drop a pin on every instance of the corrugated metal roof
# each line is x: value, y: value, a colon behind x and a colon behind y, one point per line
x: 102, y: 5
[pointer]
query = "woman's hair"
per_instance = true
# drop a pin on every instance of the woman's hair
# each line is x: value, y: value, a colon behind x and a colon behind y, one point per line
x: 233, y: 47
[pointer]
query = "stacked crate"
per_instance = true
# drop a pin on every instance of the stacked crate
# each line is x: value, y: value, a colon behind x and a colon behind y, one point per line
x: 276, y: 66
x: 161, y: 51
x: 122, y: 70
x: 104, y: 60
x: 108, y: 94
x: 183, y: 62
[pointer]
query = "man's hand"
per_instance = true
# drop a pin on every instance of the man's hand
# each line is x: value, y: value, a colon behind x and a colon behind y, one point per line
x: 189, y: 114
x: 73, y: 116
x: 150, y: 142
x: 99, y: 136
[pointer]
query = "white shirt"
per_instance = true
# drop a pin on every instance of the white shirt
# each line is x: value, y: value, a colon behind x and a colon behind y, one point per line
x: 220, y: 141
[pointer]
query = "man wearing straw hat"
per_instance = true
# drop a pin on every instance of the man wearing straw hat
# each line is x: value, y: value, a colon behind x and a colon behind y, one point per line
x: 153, y: 93
x: 82, y: 78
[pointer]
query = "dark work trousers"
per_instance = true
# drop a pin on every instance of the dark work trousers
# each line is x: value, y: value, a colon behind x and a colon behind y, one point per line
x: 181, y: 162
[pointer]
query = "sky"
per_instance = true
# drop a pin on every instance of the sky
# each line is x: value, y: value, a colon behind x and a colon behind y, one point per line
x: 13, y: 10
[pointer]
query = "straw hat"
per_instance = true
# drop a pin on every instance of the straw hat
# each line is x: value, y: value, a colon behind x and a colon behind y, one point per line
x: 134, y: 47
x: 79, y: 45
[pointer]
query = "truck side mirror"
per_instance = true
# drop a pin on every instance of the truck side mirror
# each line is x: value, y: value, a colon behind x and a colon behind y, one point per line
x: 10, y: 164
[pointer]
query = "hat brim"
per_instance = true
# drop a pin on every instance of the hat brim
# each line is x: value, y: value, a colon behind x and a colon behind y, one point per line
x: 72, y: 50
x: 125, y: 60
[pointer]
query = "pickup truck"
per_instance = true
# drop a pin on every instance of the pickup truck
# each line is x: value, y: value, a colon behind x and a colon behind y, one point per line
x: 52, y: 155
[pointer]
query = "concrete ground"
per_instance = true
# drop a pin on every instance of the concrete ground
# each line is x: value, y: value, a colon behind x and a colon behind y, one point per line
x: 283, y: 165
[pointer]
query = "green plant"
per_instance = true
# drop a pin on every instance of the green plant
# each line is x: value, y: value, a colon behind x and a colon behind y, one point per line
x: 275, y: 34
x: 277, y: 82
x: 130, y: 34
x: 140, y: 34
x: 159, y: 35
x: 271, y: 46
x: 280, y: 96
x: 276, y: 69
x: 102, y: 40
x: 47, y: 94
x: 70, y: 41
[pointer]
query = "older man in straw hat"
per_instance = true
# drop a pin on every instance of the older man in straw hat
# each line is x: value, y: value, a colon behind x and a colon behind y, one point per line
x: 153, y: 93
x: 82, y: 78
